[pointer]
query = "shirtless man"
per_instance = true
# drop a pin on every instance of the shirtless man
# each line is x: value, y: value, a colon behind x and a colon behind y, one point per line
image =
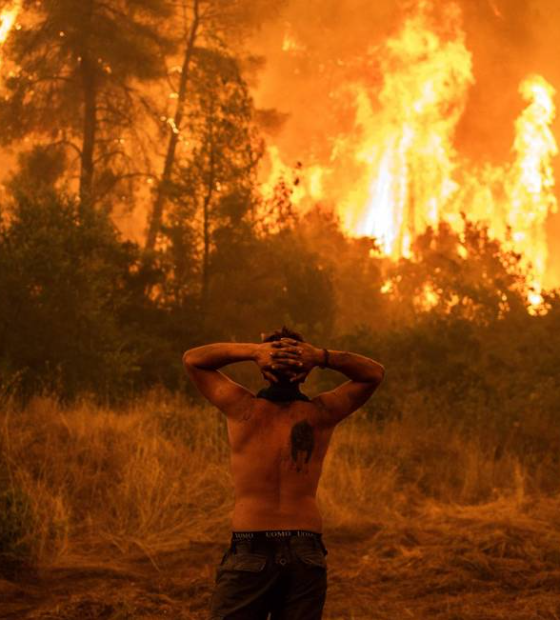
x: 276, y: 560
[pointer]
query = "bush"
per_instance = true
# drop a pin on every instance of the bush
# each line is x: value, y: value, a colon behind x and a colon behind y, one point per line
x: 63, y: 282
x: 16, y: 526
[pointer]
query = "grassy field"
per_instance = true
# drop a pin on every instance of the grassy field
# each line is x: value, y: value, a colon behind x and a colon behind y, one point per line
x: 125, y: 514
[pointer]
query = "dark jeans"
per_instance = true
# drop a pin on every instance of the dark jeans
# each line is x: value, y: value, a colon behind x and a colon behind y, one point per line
x: 285, y: 577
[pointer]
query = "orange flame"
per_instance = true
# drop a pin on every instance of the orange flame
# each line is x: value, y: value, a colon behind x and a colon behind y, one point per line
x: 531, y: 183
x: 408, y: 151
x: 411, y: 175
x: 7, y: 19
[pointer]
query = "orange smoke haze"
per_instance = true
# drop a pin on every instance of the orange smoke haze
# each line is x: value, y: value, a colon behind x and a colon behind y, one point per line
x: 404, y: 113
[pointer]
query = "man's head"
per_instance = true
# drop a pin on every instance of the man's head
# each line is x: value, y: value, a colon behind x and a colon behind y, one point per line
x: 285, y: 332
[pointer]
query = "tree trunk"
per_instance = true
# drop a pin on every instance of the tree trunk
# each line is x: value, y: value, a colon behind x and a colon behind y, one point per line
x: 88, y: 70
x: 89, y: 131
x: 206, y: 228
x: 159, y: 203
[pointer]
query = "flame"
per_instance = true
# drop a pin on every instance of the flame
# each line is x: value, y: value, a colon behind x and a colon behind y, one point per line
x: 8, y: 18
x: 531, y: 183
x: 7, y: 21
x: 410, y: 176
x: 408, y: 152
x: 516, y: 199
x: 291, y: 44
x: 428, y: 299
x: 303, y: 184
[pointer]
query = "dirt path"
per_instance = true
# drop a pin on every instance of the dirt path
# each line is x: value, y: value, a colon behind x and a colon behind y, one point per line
x: 468, y: 570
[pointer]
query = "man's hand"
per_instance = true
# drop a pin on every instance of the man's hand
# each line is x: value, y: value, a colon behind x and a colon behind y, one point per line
x: 298, y: 357
x: 277, y: 357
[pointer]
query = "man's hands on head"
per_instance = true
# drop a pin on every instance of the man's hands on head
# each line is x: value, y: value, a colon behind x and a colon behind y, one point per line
x: 277, y: 358
x: 308, y: 357
x: 290, y: 358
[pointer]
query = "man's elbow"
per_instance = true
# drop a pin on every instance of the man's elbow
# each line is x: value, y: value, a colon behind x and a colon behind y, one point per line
x: 188, y: 361
x: 378, y: 374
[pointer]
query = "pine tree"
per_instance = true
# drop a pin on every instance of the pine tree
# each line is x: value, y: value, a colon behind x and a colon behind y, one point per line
x: 212, y: 193
x: 204, y: 27
x: 78, y: 66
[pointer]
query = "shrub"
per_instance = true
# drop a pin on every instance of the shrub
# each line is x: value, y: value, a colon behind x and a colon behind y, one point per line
x: 16, y: 526
x: 63, y: 276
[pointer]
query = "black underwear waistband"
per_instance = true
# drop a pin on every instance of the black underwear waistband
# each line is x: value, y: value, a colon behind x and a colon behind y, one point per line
x: 274, y: 534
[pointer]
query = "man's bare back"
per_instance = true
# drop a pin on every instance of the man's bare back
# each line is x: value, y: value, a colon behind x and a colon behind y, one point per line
x: 278, y: 443
x: 277, y: 455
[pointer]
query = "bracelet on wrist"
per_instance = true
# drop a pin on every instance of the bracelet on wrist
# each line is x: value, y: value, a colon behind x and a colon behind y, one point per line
x: 325, y: 359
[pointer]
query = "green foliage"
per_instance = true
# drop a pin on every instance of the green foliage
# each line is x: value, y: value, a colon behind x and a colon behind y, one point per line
x: 79, y: 311
x: 498, y: 382
x: 63, y: 276
x: 288, y: 285
x: 355, y: 271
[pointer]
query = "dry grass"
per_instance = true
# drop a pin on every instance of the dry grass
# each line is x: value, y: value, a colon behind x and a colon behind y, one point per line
x: 103, y: 481
x: 419, y: 522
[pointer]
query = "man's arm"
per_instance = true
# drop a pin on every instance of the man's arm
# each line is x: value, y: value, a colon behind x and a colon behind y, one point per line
x: 202, y: 364
x: 364, y: 373
x: 365, y: 377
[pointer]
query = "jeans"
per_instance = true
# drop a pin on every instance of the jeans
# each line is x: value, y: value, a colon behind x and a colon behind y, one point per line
x: 286, y: 578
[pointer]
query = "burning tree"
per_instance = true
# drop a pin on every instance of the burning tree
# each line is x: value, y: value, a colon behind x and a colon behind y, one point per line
x: 214, y: 188
x: 74, y: 82
x: 203, y: 28
x: 394, y: 168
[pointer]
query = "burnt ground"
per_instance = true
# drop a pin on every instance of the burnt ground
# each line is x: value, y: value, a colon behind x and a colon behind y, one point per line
x: 462, y: 568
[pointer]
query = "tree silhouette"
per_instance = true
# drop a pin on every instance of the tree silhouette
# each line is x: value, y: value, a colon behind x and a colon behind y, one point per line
x: 78, y: 66
x: 467, y: 275
x: 205, y: 27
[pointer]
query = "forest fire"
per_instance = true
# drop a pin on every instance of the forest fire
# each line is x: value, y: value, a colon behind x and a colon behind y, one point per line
x: 193, y: 420
x: 7, y: 20
x: 411, y: 175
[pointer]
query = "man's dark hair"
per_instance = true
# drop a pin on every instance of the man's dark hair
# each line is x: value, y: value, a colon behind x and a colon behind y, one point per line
x: 285, y: 332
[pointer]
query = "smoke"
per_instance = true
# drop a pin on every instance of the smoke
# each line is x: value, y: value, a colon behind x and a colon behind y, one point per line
x: 315, y: 45
x: 317, y: 49
x: 509, y: 39
x: 521, y: 39
x: 310, y: 51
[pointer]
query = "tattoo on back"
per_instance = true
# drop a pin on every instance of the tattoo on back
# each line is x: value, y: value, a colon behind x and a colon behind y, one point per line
x: 302, y: 443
